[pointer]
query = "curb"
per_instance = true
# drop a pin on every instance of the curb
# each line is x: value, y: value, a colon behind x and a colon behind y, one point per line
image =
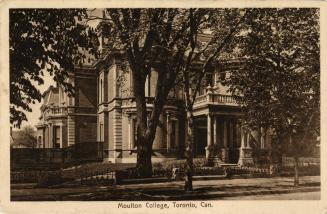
x: 212, y: 195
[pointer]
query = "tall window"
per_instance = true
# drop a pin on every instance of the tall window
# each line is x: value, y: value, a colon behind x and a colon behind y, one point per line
x: 101, y: 88
x: 56, y: 137
x: 101, y: 131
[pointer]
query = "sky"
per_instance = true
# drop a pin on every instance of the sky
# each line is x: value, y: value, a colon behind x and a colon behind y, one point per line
x: 33, y: 117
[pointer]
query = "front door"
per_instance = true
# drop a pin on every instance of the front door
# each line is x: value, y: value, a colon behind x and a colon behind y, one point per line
x: 200, y: 142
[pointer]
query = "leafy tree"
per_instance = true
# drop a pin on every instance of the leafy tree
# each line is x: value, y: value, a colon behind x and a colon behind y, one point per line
x: 165, y: 40
x: 24, y: 137
x: 29, y: 134
x: 152, y: 39
x: 42, y: 40
x: 278, y: 83
x: 222, y: 24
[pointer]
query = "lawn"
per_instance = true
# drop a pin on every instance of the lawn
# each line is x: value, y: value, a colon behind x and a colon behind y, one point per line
x: 75, y: 172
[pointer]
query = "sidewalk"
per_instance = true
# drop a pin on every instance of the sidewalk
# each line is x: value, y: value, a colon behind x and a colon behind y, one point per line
x: 203, y: 189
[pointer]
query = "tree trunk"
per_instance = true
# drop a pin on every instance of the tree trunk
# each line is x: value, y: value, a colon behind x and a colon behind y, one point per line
x: 144, y: 146
x: 296, y: 171
x: 144, y: 153
x: 280, y: 152
x: 189, y: 152
x: 296, y: 162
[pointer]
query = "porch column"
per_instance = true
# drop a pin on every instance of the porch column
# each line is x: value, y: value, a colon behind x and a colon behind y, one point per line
x: 209, y: 136
x: 225, y: 150
x: 215, y: 131
x: 247, y: 143
x: 245, y: 158
x: 50, y: 136
x: 168, y: 132
x: 242, y: 138
x: 61, y: 132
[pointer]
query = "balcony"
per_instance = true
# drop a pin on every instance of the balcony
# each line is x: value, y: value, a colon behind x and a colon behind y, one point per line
x: 202, y: 100
x: 55, y: 111
x: 215, y: 99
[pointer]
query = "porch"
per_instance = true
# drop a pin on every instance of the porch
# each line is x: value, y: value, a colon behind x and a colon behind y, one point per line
x: 221, y: 139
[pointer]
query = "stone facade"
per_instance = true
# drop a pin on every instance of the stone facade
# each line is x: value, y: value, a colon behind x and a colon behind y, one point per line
x: 68, y: 120
x: 103, y: 110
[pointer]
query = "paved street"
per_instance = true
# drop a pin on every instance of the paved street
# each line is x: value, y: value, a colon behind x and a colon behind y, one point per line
x: 287, y: 196
x: 238, y: 188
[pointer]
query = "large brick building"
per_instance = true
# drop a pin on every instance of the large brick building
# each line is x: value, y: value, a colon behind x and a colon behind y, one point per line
x: 103, y: 110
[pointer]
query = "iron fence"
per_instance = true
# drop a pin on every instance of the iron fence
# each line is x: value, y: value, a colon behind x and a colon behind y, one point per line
x: 84, y: 151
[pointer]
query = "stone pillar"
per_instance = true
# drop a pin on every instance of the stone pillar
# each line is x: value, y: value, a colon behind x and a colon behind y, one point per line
x: 168, y: 132
x: 115, y: 78
x: 225, y: 149
x: 245, y: 158
x: 131, y: 132
x: 51, y: 145
x: 61, y: 136
x: 215, y: 131
x: 117, y: 135
x: 247, y: 142
x: 49, y: 136
x: 71, y: 130
x: 209, y: 137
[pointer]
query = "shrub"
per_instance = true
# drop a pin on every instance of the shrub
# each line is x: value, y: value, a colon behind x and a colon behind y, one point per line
x: 165, y: 168
x: 170, y: 164
x: 209, y: 170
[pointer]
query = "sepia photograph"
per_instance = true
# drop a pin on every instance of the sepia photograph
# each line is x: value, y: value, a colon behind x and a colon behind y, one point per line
x: 164, y: 107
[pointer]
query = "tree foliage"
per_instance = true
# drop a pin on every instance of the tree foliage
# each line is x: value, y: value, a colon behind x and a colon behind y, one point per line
x: 278, y: 84
x: 279, y: 81
x: 152, y: 40
x: 167, y: 41
x: 200, y: 58
x: 42, y: 40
